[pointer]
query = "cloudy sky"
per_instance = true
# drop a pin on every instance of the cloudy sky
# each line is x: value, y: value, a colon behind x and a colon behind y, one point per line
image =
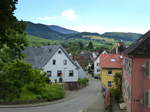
x: 88, y: 15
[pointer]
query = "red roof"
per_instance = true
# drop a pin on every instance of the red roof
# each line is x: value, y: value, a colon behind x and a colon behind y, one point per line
x: 111, y: 61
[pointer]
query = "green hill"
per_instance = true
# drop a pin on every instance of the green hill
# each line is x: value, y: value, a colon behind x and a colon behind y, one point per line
x: 122, y: 36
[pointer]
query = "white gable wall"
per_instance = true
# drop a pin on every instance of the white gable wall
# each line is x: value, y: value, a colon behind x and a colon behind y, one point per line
x: 60, y: 66
x: 96, y: 66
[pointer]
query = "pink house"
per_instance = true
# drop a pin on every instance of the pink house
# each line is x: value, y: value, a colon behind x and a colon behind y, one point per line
x: 136, y: 75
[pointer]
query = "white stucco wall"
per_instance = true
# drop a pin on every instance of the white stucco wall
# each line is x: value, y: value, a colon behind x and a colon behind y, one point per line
x: 96, y: 66
x: 60, y: 66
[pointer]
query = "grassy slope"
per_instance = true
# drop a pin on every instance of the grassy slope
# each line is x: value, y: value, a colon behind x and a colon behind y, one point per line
x: 37, y: 41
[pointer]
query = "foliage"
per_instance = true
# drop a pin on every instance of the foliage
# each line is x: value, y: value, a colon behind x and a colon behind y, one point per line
x: 83, y: 81
x: 90, y: 45
x: 17, y: 79
x: 118, y: 81
x: 117, y: 91
x: 49, y: 92
x: 53, y: 92
x: 122, y: 36
x: 16, y: 74
x: 11, y: 31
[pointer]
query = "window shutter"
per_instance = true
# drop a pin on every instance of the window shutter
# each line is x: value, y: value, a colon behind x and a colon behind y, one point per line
x: 147, y: 69
x: 146, y: 98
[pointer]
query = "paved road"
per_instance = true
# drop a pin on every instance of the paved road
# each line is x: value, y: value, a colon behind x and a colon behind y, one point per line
x: 83, y: 99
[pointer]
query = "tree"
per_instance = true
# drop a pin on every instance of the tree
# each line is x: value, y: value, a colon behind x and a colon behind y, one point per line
x: 90, y: 45
x: 11, y: 31
x: 81, y: 45
x: 17, y: 74
x: 117, y: 91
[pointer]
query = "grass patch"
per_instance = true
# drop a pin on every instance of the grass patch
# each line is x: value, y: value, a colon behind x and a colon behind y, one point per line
x: 48, y: 93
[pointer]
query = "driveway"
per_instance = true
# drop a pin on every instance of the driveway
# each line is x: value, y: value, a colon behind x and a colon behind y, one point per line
x: 82, y: 100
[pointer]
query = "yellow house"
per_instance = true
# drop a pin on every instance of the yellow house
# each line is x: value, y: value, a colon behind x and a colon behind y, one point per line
x: 110, y: 64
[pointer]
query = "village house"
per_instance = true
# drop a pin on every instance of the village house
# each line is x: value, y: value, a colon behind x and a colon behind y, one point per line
x: 54, y: 60
x: 136, y: 75
x: 84, y: 59
x: 97, y: 64
x: 110, y: 64
x: 118, y: 48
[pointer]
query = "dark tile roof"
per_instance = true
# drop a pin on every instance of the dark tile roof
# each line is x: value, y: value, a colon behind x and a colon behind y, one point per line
x: 139, y: 47
x: 39, y: 56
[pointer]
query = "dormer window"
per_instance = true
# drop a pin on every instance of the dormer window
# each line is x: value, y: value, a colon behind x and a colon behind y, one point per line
x: 113, y: 60
x: 59, y: 52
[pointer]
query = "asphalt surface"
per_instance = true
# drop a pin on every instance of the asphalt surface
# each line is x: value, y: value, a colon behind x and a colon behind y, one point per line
x: 82, y: 100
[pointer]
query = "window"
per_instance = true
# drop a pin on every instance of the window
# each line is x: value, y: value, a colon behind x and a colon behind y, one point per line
x: 71, y: 73
x: 109, y: 72
x: 97, y: 64
x: 113, y: 60
x: 54, y: 62
x: 59, y: 73
x: 59, y: 52
x: 127, y: 65
x: 60, y: 80
x: 147, y: 98
x: 49, y: 73
x: 109, y: 83
x: 65, y: 62
x: 147, y: 69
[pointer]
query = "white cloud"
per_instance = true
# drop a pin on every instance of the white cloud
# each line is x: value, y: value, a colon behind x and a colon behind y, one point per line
x: 69, y: 15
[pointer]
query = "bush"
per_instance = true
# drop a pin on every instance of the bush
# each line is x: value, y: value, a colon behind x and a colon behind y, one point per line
x: 53, y: 92
x: 19, y: 81
x: 49, y: 93
x: 115, y: 93
x: 83, y: 82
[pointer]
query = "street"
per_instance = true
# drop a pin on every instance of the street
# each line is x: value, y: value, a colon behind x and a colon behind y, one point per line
x: 84, y: 98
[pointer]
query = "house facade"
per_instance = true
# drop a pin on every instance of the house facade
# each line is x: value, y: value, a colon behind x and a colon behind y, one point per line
x: 136, y: 75
x: 110, y: 64
x: 55, y: 61
x: 97, y: 64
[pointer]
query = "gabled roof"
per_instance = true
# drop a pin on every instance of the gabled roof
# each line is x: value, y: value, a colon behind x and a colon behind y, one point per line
x: 39, y: 56
x: 104, y: 52
x: 111, y: 61
x: 140, y: 47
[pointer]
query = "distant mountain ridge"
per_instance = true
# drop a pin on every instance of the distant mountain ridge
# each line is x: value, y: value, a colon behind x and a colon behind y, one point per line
x: 62, y: 30
x: 53, y: 32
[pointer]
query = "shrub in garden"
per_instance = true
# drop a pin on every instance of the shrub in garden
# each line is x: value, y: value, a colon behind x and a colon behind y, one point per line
x: 19, y: 81
x: 83, y: 82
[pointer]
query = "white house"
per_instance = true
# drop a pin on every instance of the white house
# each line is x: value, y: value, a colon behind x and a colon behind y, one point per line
x: 54, y: 60
x: 96, y: 64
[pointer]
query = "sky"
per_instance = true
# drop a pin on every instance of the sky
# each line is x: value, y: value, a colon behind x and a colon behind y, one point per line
x: 88, y: 15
